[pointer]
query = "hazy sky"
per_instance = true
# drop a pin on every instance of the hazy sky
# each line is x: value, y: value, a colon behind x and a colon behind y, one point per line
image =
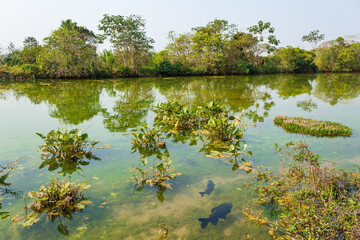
x: 291, y: 19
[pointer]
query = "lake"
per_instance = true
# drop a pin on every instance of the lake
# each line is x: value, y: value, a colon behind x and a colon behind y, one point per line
x: 109, y: 110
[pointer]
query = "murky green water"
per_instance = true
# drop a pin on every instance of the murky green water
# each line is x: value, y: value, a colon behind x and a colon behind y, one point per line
x: 109, y: 109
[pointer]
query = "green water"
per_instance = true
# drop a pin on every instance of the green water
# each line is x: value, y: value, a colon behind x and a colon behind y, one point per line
x: 109, y: 109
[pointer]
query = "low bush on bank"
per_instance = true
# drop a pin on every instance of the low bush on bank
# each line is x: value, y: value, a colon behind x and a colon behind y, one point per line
x: 312, y: 127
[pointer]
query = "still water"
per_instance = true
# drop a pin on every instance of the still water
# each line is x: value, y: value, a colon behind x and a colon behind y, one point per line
x: 108, y: 110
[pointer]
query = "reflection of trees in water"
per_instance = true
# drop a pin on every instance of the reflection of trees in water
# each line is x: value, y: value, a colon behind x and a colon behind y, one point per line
x: 72, y: 101
x: 133, y: 101
x: 5, y: 187
x: 290, y: 85
x: 67, y: 166
x: 235, y: 92
x: 334, y: 88
x: 76, y: 101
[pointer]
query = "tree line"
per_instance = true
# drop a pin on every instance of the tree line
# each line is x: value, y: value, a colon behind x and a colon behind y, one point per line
x: 218, y: 48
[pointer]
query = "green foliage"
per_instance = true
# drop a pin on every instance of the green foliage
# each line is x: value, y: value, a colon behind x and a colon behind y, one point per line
x: 210, y: 124
x: 221, y: 134
x: 60, y: 198
x: 209, y: 44
x: 312, y: 127
x: 128, y: 36
x: 69, y: 51
x: 147, y: 138
x: 214, y: 49
x: 267, y: 41
x: 296, y: 60
x: 313, y: 38
x: 223, y: 130
x: 67, y: 145
x: 338, y: 56
x: 310, y: 202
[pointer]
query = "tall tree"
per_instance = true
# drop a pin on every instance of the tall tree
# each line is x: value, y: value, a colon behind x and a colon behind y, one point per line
x: 30, y: 51
x: 179, y: 48
x: 209, y: 43
x: 314, y: 37
x: 69, y: 51
x: 241, y: 47
x: 128, y: 36
x: 264, y: 33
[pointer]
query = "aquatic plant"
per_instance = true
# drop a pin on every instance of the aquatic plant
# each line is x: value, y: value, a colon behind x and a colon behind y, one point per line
x: 223, y: 130
x: 5, y: 171
x: 174, y: 115
x: 220, y: 133
x: 67, y: 145
x: 156, y: 175
x: 312, y: 127
x: 60, y: 198
x: 310, y: 201
x: 4, y: 174
x: 149, y: 138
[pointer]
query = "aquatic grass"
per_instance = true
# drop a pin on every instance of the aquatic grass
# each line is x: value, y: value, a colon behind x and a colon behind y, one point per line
x: 308, y: 201
x: 312, y: 127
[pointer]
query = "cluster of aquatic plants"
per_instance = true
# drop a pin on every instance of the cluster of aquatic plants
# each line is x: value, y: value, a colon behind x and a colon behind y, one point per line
x: 223, y: 130
x: 158, y: 174
x: 210, y: 124
x: 310, y: 201
x: 312, y: 127
x: 174, y: 116
x: 67, y: 145
x: 68, y: 150
x: 148, y: 138
x: 149, y: 143
x: 220, y: 133
x: 60, y: 198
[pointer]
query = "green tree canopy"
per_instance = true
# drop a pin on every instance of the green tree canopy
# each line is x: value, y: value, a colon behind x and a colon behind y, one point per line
x: 313, y: 38
x: 128, y: 36
x: 69, y: 51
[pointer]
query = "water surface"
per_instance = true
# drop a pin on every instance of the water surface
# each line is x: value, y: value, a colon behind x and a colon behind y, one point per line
x: 110, y: 109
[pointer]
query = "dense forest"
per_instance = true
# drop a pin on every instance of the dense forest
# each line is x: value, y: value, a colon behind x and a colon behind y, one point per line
x: 219, y: 48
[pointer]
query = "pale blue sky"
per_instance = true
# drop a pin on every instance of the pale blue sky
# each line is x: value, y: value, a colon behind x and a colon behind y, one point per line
x: 291, y: 19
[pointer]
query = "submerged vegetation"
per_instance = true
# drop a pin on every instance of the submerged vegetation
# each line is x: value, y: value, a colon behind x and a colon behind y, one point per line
x: 312, y: 127
x: 309, y: 201
x: 218, y: 48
